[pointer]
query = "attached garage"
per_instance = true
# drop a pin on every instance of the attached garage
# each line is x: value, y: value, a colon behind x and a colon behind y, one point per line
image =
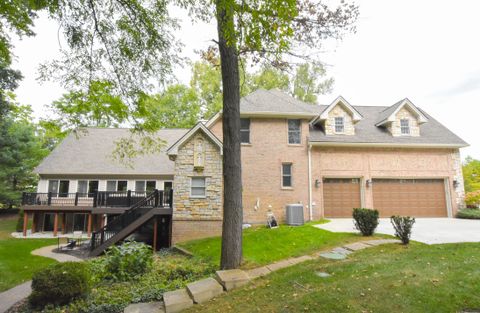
x: 412, y: 197
x: 340, y: 196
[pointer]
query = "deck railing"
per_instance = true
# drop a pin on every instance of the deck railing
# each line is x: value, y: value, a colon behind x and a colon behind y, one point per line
x: 95, y: 199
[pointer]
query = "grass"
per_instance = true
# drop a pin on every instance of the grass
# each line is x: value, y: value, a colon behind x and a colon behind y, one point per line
x: 473, y: 214
x: 390, y: 278
x: 17, y: 265
x: 263, y: 246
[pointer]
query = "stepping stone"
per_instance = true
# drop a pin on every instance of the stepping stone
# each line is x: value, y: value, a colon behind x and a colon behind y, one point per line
x: 356, y: 246
x: 341, y: 251
x: 380, y: 242
x: 204, y: 290
x: 231, y: 279
x: 333, y: 256
x: 258, y: 272
x: 279, y: 265
x: 176, y: 301
x: 300, y: 259
x: 150, y: 307
x: 322, y: 274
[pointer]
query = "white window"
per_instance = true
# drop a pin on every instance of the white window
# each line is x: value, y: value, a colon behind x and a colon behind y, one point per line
x: 198, y: 187
x: 405, y: 126
x: 287, y: 175
x: 148, y: 186
x: 245, y: 130
x: 140, y: 185
x: 339, y: 124
x: 117, y: 185
x: 111, y: 185
x: 294, y: 132
x: 82, y: 188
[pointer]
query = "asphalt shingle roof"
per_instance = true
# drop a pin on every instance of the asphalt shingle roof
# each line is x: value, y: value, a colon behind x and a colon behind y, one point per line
x: 90, y: 153
x: 276, y: 101
x: 431, y: 133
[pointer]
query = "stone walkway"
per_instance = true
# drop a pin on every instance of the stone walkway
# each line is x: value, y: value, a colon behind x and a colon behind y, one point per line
x: 10, y: 297
x: 206, y: 289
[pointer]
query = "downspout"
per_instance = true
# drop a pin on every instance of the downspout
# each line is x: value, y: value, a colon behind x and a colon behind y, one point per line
x: 310, y: 181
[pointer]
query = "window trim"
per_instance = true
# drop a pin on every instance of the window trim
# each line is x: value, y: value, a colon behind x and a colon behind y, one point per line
x: 245, y: 130
x: 145, y: 183
x: 335, y: 124
x: 283, y: 175
x: 407, y: 127
x: 299, y: 132
x: 204, y: 187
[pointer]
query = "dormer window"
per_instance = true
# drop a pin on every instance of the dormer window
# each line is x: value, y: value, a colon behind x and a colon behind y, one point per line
x: 405, y: 126
x: 339, y: 125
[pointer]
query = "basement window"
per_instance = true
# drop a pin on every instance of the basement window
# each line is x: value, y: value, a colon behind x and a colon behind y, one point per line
x: 405, y: 126
x: 198, y: 187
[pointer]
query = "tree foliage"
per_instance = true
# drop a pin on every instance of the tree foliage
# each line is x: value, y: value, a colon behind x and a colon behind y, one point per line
x: 471, y: 174
x: 21, y: 150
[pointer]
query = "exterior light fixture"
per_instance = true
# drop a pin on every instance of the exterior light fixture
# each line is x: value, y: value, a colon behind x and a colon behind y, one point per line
x: 368, y: 182
x: 455, y: 183
x: 317, y: 183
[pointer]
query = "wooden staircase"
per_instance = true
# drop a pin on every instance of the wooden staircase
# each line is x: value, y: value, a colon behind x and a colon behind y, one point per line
x: 125, y: 224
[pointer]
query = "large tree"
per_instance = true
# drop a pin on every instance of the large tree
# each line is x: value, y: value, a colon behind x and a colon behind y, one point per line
x: 471, y: 174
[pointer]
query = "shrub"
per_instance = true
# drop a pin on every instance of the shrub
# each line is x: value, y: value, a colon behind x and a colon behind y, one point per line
x: 59, y: 284
x: 403, y: 227
x: 125, y: 262
x: 19, y: 227
x: 472, y: 214
x: 472, y: 199
x: 366, y: 220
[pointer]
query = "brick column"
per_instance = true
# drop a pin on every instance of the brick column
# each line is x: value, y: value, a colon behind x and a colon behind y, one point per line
x: 55, y: 224
x: 25, y: 223
x: 89, y: 225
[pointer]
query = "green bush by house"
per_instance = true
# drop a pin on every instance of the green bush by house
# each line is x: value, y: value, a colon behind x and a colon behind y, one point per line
x: 472, y: 214
x: 366, y: 220
x: 59, y: 284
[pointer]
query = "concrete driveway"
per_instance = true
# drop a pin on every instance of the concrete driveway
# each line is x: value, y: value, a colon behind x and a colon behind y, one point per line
x: 426, y: 230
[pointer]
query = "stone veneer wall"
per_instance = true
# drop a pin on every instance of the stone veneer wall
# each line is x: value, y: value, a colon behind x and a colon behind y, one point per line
x: 191, y: 211
x: 404, y: 113
x: 339, y: 111
x: 458, y: 176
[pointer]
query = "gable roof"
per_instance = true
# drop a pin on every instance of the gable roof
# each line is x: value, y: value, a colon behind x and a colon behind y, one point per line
x: 173, y: 150
x: 432, y: 134
x: 89, y: 153
x: 356, y: 116
x: 388, y: 115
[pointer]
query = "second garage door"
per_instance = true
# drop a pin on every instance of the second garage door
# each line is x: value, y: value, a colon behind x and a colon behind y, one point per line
x: 412, y: 197
x: 340, y: 196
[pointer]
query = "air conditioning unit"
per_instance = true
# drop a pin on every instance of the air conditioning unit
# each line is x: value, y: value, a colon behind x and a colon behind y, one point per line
x: 295, y: 214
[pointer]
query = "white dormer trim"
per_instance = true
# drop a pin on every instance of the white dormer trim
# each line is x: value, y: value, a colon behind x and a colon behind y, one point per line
x: 356, y: 116
x: 405, y: 103
x: 173, y: 150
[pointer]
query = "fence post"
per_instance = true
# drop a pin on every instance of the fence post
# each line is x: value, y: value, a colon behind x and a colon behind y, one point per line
x: 157, y: 194
x: 129, y: 198
x: 49, y: 201
x: 76, y: 198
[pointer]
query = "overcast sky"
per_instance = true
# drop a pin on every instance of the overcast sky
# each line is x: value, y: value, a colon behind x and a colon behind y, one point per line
x: 428, y: 51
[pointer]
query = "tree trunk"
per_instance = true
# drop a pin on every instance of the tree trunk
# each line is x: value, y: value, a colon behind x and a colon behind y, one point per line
x: 232, y: 166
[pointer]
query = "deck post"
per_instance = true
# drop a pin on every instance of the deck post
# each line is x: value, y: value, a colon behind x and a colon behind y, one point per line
x: 64, y: 223
x: 25, y: 223
x: 155, y: 230
x: 55, y: 224
x: 129, y: 198
x: 76, y: 198
x: 49, y: 201
x: 34, y: 222
x: 157, y: 194
x: 89, y: 225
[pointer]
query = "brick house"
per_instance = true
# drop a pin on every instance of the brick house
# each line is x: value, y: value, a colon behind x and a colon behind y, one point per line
x: 330, y: 158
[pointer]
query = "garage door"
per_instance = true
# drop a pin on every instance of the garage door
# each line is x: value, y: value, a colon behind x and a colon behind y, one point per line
x: 340, y: 196
x: 413, y: 197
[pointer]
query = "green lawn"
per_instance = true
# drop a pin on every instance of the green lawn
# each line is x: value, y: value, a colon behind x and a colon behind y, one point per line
x: 389, y: 278
x: 262, y: 245
x: 16, y: 263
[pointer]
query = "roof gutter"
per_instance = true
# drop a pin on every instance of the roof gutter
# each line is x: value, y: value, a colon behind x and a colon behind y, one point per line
x: 384, y: 145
